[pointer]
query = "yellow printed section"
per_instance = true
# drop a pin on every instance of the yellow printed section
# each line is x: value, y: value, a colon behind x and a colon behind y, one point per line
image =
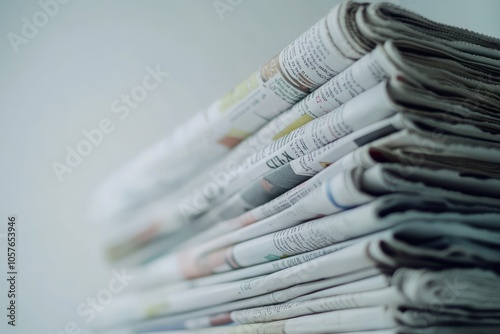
x: 233, y: 137
x: 156, y: 310
x: 239, y: 92
x: 325, y: 164
x: 294, y: 125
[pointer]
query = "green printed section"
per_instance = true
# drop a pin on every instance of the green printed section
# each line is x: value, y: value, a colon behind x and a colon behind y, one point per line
x: 272, y: 257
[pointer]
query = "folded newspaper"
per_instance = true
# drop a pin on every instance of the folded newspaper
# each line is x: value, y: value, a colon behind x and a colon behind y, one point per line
x: 350, y: 185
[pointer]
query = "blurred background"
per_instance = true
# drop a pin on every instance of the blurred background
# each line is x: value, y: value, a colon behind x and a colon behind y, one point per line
x: 63, y: 79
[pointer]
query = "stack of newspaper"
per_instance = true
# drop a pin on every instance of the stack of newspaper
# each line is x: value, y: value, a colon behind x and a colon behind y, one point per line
x: 351, y: 184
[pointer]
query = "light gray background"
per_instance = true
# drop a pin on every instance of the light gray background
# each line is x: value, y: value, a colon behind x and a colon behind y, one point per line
x: 63, y: 81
